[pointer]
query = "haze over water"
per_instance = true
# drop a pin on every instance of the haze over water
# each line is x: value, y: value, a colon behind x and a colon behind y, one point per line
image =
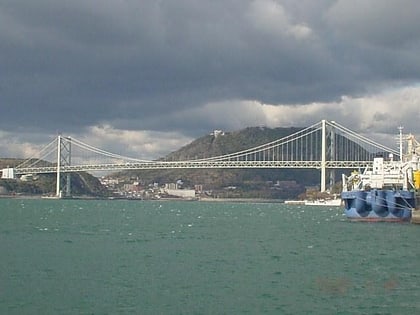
x: 137, y: 257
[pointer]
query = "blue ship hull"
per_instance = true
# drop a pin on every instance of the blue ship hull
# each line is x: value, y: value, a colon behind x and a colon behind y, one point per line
x: 378, y: 205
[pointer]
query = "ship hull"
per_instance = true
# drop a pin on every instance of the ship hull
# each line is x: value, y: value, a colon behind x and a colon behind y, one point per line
x: 378, y: 205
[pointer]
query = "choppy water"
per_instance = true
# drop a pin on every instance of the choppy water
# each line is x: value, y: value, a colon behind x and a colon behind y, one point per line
x: 136, y: 257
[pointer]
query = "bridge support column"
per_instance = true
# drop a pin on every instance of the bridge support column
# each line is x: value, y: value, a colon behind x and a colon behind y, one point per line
x: 58, y: 187
x: 63, y: 159
x: 323, y: 156
x: 332, y: 155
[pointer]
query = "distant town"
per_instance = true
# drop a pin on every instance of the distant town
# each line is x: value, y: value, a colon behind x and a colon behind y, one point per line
x: 137, y: 189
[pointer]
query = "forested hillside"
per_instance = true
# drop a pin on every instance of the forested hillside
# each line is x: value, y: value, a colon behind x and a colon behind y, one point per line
x: 258, y: 183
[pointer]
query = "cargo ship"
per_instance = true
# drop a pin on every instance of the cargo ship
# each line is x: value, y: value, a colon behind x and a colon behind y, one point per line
x: 388, y: 190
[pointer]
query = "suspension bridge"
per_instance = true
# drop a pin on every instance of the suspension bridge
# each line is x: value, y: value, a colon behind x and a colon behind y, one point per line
x: 326, y: 146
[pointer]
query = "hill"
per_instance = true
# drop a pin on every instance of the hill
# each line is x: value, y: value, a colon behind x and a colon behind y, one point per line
x: 241, y: 183
x: 82, y: 183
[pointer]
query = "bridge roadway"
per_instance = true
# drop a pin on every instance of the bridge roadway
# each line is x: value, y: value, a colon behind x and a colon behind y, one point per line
x: 198, y: 164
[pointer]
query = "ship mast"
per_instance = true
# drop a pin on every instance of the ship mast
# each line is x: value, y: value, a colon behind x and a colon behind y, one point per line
x: 400, y: 128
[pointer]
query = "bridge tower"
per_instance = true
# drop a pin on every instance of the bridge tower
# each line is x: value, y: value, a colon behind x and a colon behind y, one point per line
x: 63, y: 159
x: 331, y: 152
x: 327, y: 153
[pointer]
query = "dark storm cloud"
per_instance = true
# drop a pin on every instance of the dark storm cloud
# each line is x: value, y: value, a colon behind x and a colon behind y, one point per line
x: 147, y: 65
x: 378, y: 37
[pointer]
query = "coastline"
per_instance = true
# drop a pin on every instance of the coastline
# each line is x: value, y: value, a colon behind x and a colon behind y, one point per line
x: 238, y: 200
x: 249, y: 200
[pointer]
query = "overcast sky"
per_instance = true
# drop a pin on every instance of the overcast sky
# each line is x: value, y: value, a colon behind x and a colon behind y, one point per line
x: 145, y: 77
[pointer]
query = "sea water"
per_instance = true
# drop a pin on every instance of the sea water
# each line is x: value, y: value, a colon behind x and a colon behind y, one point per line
x: 162, y: 257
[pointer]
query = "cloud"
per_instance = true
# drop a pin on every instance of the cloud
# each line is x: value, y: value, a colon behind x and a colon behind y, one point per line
x: 270, y: 17
x: 377, y: 116
x: 12, y: 146
x: 378, y: 38
x: 391, y: 24
x: 179, y: 69
x: 140, y: 144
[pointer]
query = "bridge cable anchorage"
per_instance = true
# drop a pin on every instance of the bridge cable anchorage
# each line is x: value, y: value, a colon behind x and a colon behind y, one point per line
x: 324, y: 145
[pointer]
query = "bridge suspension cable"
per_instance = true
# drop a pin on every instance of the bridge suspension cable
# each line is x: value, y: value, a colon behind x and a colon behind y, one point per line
x: 263, y: 147
x: 320, y: 146
x: 42, y: 155
x: 103, y: 152
x: 363, y: 139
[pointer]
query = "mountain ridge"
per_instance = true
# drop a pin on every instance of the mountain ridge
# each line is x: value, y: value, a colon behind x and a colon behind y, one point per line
x: 252, y: 183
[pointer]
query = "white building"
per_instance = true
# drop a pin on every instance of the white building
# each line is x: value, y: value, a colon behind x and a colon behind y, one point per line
x: 8, y: 173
